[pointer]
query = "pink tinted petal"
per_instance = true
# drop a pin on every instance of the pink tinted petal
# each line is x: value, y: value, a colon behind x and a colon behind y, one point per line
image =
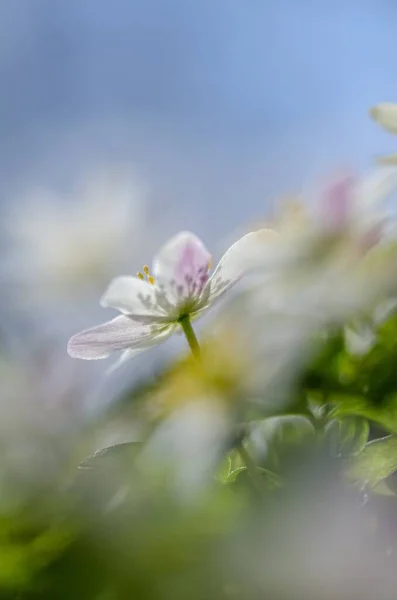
x: 336, y: 203
x: 182, y: 265
x: 118, y: 334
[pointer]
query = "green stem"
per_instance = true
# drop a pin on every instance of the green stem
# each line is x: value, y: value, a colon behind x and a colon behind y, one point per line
x: 251, y: 468
x: 246, y: 458
x: 190, y: 336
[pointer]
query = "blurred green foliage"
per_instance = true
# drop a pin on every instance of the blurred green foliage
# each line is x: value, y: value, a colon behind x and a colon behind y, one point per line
x: 110, y: 529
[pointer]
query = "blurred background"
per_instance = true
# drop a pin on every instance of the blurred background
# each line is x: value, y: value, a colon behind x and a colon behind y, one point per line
x: 217, y: 106
x: 123, y: 122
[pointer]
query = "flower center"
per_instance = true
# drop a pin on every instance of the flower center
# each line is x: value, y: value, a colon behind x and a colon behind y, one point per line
x: 149, y: 277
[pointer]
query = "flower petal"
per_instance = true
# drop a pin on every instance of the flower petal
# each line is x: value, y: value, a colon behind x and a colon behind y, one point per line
x: 374, y: 189
x: 386, y: 115
x: 249, y: 252
x: 157, y: 339
x: 132, y: 296
x: 390, y: 159
x: 118, y: 334
x: 181, y: 267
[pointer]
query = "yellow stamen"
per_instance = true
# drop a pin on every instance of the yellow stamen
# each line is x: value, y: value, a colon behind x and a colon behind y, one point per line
x: 210, y: 264
x: 149, y: 277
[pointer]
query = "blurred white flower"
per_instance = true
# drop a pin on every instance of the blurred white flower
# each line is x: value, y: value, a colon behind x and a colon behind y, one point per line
x: 359, y: 338
x: 63, y: 248
x: 326, y: 273
x: 180, y: 289
x: 42, y: 413
x: 188, y: 446
x: 346, y: 207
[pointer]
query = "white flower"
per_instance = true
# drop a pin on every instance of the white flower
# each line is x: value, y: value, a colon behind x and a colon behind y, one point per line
x: 337, y: 262
x: 346, y: 209
x: 385, y: 114
x: 356, y: 207
x: 63, y: 247
x: 179, y: 289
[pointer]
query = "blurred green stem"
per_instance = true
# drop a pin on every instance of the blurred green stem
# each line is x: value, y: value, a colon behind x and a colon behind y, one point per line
x: 190, y: 336
x: 245, y: 457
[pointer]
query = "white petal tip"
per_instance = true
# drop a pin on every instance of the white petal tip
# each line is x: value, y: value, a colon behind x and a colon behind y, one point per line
x: 267, y: 234
x: 103, y: 301
x: 385, y: 114
x: 78, y: 348
x: 377, y: 111
x: 182, y: 237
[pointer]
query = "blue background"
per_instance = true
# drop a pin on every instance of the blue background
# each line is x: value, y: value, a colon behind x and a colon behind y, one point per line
x: 220, y: 104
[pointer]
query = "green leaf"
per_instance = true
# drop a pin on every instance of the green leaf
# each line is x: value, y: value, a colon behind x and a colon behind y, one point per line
x: 271, y: 438
x: 241, y: 475
x: 287, y: 429
x: 377, y: 461
x: 233, y: 474
x: 382, y: 488
x: 124, y: 454
x: 225, y: 470
x: 347, y: 436
x: 361, y: 384
x: 384, y: 414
